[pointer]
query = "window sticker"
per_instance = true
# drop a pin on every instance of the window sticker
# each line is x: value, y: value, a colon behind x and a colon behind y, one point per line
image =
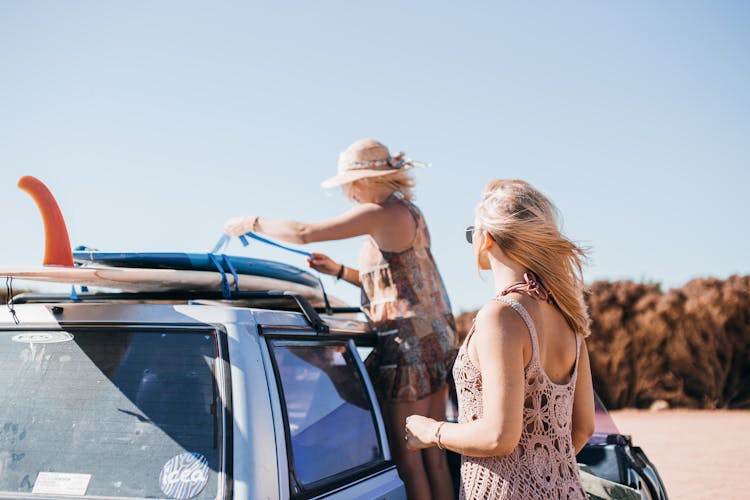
x: 42, y: 337
x: 59, y: 483
x: 184, y: 476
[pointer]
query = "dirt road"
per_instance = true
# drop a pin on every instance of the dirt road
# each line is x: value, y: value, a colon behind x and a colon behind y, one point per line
x: 700, y: 454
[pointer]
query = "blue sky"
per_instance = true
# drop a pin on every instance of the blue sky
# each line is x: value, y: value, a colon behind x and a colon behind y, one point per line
x: 153, y: 122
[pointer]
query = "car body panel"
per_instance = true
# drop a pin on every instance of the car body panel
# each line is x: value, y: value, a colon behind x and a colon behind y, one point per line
x: 258, y: 461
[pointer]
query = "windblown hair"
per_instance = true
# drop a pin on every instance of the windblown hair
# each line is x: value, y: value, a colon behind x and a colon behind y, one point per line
x: 400, y: 181
x: 525, y: 224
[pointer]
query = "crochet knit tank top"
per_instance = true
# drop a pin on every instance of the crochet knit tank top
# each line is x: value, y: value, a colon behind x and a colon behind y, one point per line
x: 543, y: 465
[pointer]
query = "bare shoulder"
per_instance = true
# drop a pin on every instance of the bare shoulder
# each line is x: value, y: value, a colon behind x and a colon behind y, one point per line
x: 388, y: 212
x: 369, y: 215
x: 367, y: 208
x: 394, y: 228
x: 399, y: 210
x: 498, y: 321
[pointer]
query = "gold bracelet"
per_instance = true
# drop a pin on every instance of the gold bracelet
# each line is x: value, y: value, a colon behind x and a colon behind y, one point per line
x: 437, y: 435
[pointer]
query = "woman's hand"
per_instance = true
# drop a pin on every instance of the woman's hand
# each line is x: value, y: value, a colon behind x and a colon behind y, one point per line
x: 324, y: 264
x: 420, y: 432
x: 237, y: 226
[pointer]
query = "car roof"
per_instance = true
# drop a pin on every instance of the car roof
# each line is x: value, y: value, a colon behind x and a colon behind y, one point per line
x: 268, y: 309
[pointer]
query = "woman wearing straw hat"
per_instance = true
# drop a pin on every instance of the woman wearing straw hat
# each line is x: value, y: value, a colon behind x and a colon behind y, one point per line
x: 403, y: 295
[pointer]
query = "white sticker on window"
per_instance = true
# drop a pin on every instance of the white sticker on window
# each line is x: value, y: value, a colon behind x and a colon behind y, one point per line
x: 59, y: 483
x: 42, y: 337
x: 184, y: 476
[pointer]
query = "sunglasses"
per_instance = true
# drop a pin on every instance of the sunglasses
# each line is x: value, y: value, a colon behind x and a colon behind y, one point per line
x: 470, y: 234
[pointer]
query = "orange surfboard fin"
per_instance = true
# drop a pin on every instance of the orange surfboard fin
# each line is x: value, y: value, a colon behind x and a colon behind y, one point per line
x: 57, y: 250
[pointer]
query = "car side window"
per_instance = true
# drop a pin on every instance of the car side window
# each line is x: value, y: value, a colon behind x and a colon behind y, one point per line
x: 330, y: 419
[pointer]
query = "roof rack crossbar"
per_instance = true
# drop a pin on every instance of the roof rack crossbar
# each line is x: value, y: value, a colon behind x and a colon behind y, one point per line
x: 339, y: 310
x: 307, y: 310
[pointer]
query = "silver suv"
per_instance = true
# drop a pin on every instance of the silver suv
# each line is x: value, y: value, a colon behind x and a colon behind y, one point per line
x: 187, y: 395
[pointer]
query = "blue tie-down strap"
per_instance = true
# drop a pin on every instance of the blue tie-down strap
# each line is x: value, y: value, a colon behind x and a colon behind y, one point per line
x: 226, y: 292
x: 224, y: 241
x: 221, y: 244
x: 227, y: 262
x: 250, y: 234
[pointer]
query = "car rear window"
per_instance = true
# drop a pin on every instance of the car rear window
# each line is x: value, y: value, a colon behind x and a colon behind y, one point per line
x: 115, y: 412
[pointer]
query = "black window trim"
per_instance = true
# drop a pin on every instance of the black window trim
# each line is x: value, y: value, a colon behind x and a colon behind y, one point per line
x: 342, y: 479
x: 304, y: 333
x: 222, y: 378
x: 350, y: 482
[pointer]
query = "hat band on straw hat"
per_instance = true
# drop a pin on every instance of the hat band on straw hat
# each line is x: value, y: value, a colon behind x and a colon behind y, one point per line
x: 391, y: 163
x: 353, y: 170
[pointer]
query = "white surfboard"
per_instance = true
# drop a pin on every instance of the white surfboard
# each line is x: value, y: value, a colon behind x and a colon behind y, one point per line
x: 154, y: 280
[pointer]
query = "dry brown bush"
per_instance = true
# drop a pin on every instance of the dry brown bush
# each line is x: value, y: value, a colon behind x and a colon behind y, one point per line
x: 688, y: 346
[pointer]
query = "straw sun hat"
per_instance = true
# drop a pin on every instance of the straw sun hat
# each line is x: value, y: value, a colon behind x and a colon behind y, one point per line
x: 368, y: 158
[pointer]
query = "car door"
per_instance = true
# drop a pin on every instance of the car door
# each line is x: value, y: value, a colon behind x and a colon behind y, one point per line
x: 333, y: 435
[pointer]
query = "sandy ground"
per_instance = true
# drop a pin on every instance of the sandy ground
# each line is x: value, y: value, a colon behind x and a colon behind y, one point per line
x: 700, y: 454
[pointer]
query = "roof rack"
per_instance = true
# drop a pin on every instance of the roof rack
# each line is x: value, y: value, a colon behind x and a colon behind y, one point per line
x: 308, y: 311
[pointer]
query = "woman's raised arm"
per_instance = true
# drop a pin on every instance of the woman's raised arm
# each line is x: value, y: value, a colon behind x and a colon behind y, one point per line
x: 361, y: 219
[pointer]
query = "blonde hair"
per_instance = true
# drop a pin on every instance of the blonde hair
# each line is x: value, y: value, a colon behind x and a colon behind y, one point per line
x: 401, y: 181
x: 525, y: 224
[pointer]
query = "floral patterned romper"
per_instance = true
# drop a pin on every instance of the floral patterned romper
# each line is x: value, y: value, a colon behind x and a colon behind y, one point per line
x: 405, y: 298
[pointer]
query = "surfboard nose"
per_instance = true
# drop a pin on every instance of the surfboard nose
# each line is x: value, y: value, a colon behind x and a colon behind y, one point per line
x: 57, y: 250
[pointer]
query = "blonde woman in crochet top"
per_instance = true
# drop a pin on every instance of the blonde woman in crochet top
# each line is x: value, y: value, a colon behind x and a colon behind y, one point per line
x: 522, y: 375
